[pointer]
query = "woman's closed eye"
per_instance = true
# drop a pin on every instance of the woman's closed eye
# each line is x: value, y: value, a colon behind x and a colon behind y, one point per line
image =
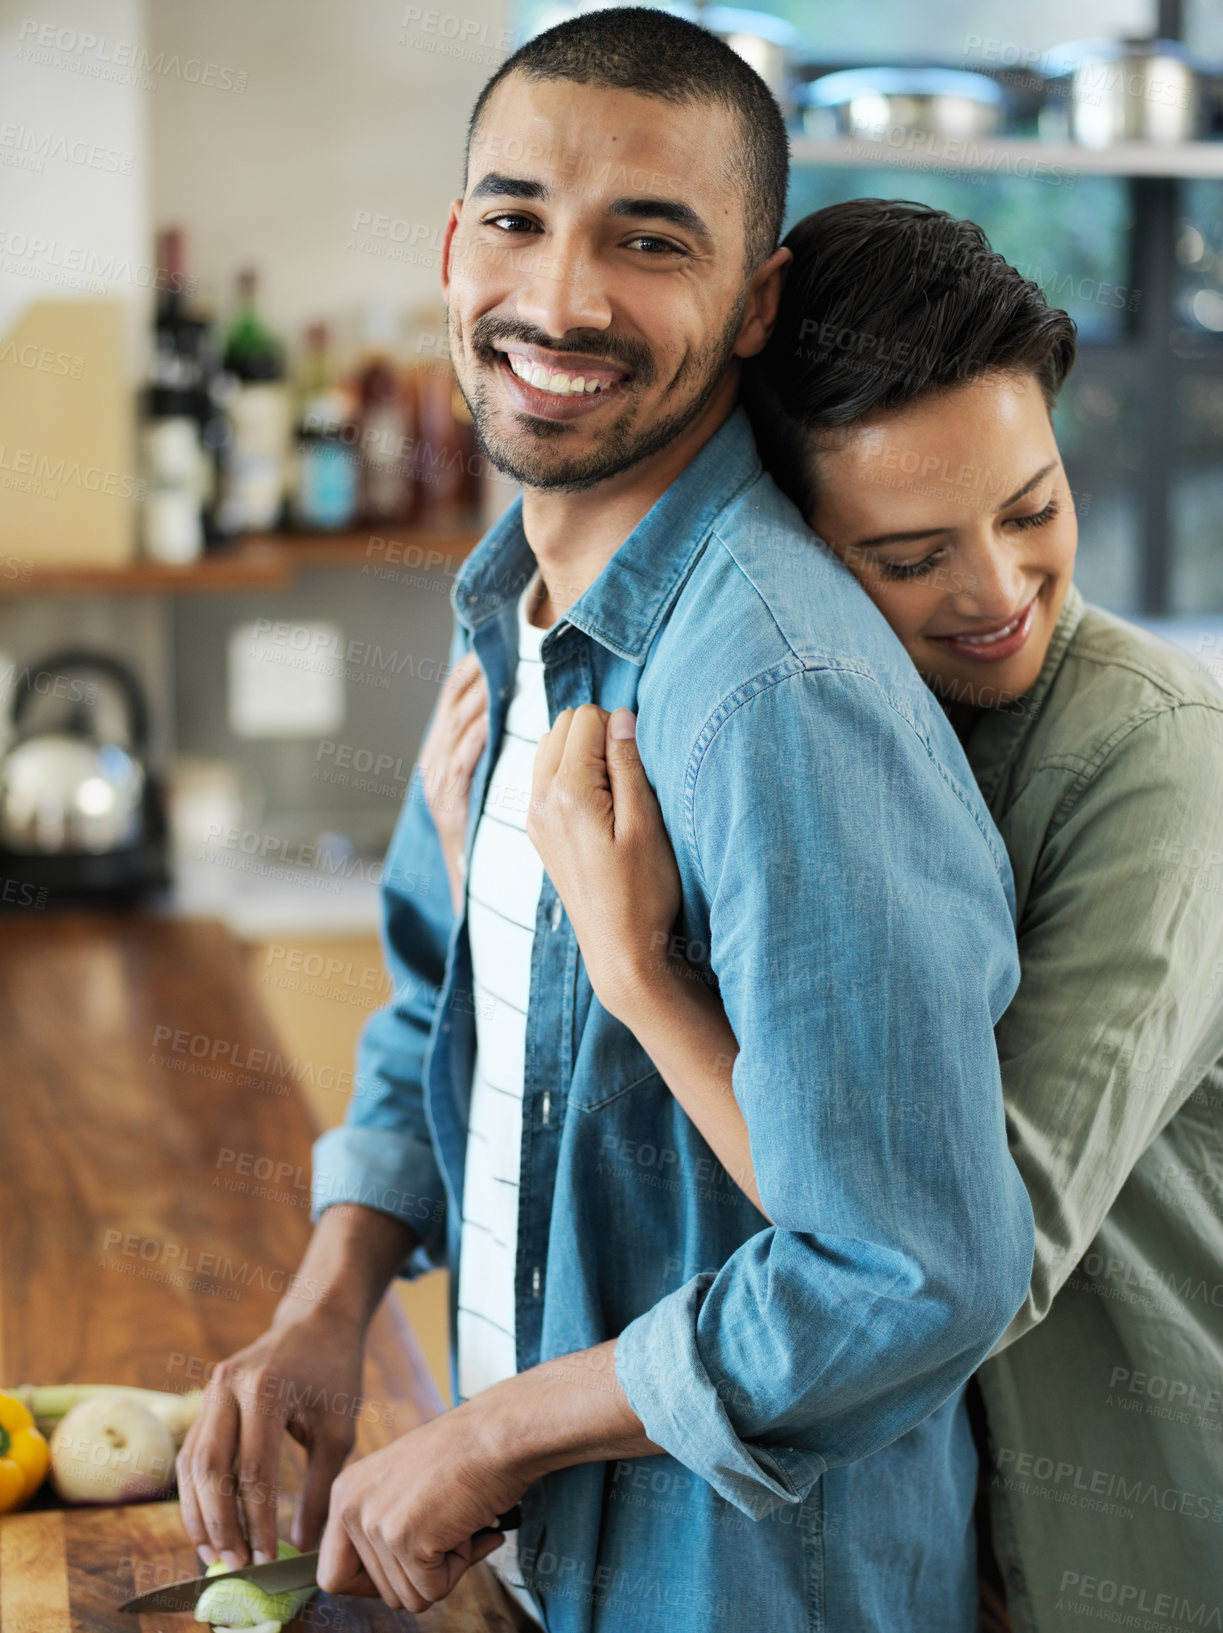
x: 902, y: 571
x: 1039, y: 518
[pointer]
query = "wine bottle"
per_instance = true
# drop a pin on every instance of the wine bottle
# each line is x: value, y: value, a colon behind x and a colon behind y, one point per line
x: 256, y: 463
x: 385, y: 428
x: 323, y: 491
x: 172, y: 451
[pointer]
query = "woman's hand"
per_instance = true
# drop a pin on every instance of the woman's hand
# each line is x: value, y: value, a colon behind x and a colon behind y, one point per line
x: 448, y: 757
x: 598, y: 829
x: 597, y: 826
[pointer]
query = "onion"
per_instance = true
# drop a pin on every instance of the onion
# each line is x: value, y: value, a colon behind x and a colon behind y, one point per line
x: 111, y: 1449
x: 237, y: 1604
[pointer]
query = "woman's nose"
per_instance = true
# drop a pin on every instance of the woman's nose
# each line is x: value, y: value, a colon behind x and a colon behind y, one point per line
x: 992, y: 581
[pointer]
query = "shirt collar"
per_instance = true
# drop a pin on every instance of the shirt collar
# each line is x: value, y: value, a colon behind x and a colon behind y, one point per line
x: 627, y: 603
x: 999, y: 734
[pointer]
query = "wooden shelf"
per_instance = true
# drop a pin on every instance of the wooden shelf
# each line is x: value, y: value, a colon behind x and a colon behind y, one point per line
x: 1014, y: 156
x: 265, y: 561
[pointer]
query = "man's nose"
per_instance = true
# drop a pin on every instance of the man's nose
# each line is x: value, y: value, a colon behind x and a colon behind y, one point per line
x: 562, y: 291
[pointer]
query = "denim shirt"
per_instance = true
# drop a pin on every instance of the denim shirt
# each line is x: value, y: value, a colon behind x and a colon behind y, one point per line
x: 845, y: 888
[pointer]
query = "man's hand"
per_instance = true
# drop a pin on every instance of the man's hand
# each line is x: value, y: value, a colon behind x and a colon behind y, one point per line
x: 303, y: 1375
x: 410, y: 1514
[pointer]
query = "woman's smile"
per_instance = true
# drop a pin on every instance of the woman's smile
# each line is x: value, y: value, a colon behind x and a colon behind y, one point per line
x: 994, y: 644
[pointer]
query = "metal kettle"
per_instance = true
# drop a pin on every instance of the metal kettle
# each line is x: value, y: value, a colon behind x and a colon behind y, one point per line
x: 72, y: 786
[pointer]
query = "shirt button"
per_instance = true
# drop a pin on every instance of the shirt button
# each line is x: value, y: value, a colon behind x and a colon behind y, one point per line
x: 557, y: 914
x: 536, y: 1281
x: 545, y: 1108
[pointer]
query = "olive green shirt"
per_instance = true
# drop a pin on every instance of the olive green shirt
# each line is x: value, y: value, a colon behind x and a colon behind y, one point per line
x: 1105, y: 1397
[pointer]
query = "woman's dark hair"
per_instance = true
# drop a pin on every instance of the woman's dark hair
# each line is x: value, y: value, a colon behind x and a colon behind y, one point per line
x: 887, y: 301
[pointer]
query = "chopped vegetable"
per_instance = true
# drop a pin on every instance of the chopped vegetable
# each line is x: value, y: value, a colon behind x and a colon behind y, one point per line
x: 24, y: 1456
x: 237, y: 1604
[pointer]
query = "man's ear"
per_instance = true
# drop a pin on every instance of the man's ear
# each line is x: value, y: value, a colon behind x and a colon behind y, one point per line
x: 764, y: 295
x: 452, y: 221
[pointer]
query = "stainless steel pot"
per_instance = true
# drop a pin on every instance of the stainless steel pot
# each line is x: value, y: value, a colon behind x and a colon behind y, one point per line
x: 876, y: 104
x: 1127, y: 91
x: 769, y: 44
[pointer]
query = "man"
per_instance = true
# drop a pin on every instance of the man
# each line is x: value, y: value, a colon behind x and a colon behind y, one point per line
x: 705, y: 1423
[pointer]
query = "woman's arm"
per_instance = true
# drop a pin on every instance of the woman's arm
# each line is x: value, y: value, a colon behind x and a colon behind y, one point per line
x: 598, y: 829
x: 681, y: 1025
x: 1118, y: 1015
x: 618, y: 881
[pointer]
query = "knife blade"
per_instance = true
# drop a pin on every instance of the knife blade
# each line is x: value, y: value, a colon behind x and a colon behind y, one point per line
x: 278, y: 1576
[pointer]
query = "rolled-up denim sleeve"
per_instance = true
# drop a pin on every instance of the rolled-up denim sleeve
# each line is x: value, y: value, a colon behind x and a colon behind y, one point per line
x: 861, y: 932
x: 382, y: 1155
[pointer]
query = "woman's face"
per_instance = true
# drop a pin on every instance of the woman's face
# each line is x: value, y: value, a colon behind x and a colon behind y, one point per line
x: 956, y: 516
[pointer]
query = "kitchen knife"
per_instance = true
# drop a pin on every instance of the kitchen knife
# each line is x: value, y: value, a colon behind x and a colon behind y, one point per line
x: 276, y: 1577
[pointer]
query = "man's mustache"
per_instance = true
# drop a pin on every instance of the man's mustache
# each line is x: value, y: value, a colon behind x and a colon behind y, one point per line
x: 627, y: 353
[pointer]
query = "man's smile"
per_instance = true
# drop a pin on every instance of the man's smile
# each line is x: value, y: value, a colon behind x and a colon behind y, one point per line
x: 547, y: 387
x: 577, y: 376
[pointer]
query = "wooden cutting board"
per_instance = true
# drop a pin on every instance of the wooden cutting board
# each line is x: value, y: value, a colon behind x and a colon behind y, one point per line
x: 111, y: 1141
x: 67, y: 1571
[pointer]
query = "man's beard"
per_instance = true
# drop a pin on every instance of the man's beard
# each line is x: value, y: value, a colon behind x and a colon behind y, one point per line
x: 624, y: 444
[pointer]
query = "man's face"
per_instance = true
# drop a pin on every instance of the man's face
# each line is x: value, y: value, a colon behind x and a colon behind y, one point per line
x: 594, y: 275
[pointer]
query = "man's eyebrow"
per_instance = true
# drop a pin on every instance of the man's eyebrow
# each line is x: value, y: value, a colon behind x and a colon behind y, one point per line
x: 661, y: 209
x: 935, y: 532
x: 498, y: 185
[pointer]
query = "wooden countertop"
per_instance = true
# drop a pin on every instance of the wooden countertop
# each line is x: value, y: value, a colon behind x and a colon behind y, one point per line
x: 138, y: 1066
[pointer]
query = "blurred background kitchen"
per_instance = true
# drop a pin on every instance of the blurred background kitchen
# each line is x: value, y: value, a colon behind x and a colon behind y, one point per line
x: 236, y: 478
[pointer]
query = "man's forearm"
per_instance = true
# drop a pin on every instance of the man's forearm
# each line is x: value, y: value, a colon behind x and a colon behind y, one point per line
x: 353, y: 1254
x: 569, y: 1410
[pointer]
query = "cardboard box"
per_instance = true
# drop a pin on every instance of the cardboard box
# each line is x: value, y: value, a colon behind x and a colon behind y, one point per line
x: 69, y: 483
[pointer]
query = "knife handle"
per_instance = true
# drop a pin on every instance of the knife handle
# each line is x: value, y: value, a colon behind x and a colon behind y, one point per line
x: 509, y: 1521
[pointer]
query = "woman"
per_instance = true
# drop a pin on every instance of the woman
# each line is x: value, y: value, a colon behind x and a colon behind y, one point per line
x: 903, y: 403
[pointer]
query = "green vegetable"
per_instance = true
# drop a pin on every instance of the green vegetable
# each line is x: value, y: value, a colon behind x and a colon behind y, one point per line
x: 239, y: 1604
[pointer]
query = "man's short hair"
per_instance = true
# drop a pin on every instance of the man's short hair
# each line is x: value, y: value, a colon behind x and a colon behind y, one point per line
x: 634, y: 48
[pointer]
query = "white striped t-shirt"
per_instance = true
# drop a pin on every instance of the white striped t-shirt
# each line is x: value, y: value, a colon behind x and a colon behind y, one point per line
x: 503, y: 886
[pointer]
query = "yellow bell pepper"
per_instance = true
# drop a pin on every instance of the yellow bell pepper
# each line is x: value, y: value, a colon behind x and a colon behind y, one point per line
x: 24, y: 1456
